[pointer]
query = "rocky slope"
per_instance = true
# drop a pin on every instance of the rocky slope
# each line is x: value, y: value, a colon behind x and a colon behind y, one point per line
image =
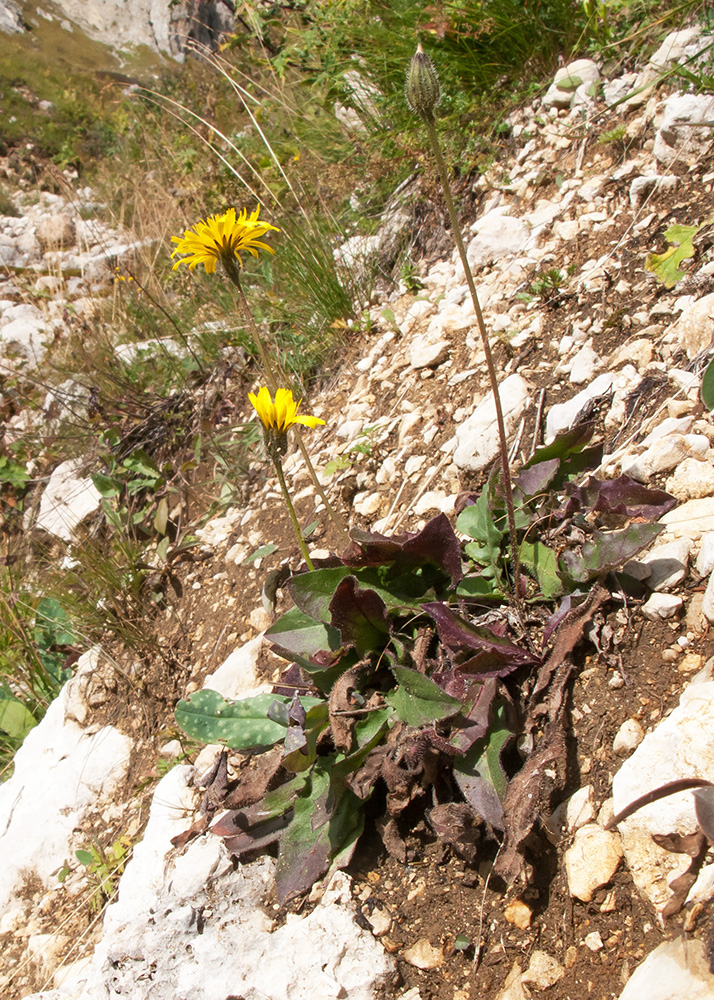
x: 595, y: 177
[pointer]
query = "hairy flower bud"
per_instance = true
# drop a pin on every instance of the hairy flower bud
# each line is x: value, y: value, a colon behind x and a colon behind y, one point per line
x: 422, y: 87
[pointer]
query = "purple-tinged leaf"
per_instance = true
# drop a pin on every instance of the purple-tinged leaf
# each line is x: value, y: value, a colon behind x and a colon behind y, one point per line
x: 494, y: 653
x: 608, y: 550
x: 474, y: 724
x: 556, y: 618
x: 535, y: 478
x: 360, y: 616
x: 436, y: 545
x: 623, y: 496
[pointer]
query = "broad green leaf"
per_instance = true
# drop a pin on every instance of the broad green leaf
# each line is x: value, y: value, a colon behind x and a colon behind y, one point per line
x: 318, y: 834
x: 608, y: 550
x: 15, y: 719
x: 297, y: 637
x: 481, y: 587
x: 85, y: 857
x: 665, y: 266
x: 105, y: 485
x: 418, y: 700
x: 542, y: 562
x: 52, y: 624
x: 208, y: 717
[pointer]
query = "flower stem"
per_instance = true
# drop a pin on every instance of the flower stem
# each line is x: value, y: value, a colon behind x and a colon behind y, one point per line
x: 233, y: 273
x: 291, y: 510
x: 493, y: 379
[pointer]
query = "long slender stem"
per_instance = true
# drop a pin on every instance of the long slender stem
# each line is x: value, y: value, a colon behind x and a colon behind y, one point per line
x: 291, y: 511
x: 493, y: 379
x: 231, y: 269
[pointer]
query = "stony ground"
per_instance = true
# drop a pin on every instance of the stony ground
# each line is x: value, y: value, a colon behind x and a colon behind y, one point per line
x: 558, y: 243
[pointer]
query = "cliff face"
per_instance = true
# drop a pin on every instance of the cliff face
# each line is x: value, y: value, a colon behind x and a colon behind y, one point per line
x: 158, y: 24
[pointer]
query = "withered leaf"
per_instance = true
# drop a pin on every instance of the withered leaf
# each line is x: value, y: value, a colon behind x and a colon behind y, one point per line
x: 455, y: 824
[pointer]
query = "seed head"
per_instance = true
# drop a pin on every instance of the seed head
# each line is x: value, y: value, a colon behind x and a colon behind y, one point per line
x: 422, y: 89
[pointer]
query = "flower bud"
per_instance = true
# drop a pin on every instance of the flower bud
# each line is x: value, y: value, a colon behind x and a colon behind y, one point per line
x: 422, y: 87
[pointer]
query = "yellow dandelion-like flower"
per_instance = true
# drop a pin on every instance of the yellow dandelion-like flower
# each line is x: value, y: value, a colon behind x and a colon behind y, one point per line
x: 281, y: 414
x: 221, y: 237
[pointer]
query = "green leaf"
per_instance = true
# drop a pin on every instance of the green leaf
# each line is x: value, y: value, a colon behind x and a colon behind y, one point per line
x: 481, y: 587
x: 542, y: 563
x: 105, y: 485
x: 708, y: 386
x: 665, y: 266
x: 607, y: 550
x: 317, y: 834
x: 206, y: 716
x: 15, y: 719
x: 84, y: 857
x: 52, y: 624
x: 264, y: 550
x: 162, y: 516
x: 13, y: 473
x: 418, y: 700
x: 163, y: 547
x: 297, y: 637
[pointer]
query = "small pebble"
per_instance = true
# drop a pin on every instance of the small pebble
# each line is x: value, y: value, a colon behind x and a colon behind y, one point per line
x: 593, y: 941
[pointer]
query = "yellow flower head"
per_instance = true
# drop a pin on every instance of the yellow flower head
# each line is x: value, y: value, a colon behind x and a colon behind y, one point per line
x: 281, y: 414
x: 221, y: 237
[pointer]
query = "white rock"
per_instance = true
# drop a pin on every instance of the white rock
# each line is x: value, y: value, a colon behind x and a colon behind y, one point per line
x: 661, y: 606
x: 236, y: 949
x: 694, y: 329
x: 11, y: 21
x: 423, y: 955
x: 705, y: 558
x: 435, y: 500
x: 80, y: 774
x: 684, y: 134
x: 367, y: 504
x: 593, y: 941
x: 562, y: 416
x: 569, y: 80
x: 667, y: 563
x: 674, y: 970
x: 497, y: 235
x: 543, y: 971
x: 692, y: 480
x: 638, y: 351
x: 237, y: 676
x: 477, y: 436
x: 426, y: 353
x: 67, y: 499
x: 628, y: 737
x: 691, y: 519
x: 677, y: 748
x: 574, y: 813
x: 674, y: 47
x: 584, y: 365
x: 592, y: 860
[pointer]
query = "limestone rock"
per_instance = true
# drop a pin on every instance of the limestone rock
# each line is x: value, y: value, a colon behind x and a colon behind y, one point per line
x: 675, y: 969
x: 667, y: 563
x: 684, y: 134
x: 68, y: 498
x: 659, y: 607
x: 10, y: 18
x: 695, y: 327
x: 497, y: 235
x: 628, y: 737
x: 692, y: 480
x: 423, y: 955
x: 675, y: 749
x: 81, y: 771
x: 691, y: 519
x: 578, y: 79
x: 477, y: 437
x: 592, y: 860
x: 425, y: 353
x: 543, y: 971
